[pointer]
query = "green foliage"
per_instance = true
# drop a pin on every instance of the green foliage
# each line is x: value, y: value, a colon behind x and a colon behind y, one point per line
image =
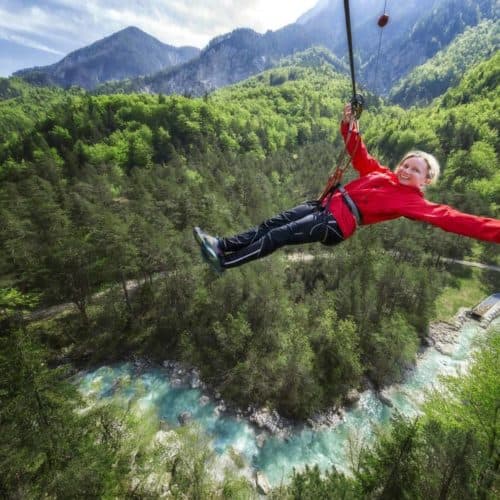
x: 311, y: 485
x: 479, y: 82
x: 392, y: 349
x: 390, y: 468
x: 107, y: 186
x: 446, y: 68
x: 451, y: 451
x: 12, y: 300
x: 47, y: 448
x: 470, y: 405
x: 99, y: 190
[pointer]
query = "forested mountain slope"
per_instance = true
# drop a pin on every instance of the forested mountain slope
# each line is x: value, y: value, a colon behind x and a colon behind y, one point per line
x: 95, y: 190
x: 432, y: 32
x: 447, y: 67
x: 107, y: 188
x: 416, y: 32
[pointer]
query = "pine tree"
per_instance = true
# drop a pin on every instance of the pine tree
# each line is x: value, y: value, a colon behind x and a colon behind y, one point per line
x: 47, y: 448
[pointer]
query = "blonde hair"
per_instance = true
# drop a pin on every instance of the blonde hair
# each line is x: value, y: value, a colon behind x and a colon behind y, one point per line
x: 433, y: 168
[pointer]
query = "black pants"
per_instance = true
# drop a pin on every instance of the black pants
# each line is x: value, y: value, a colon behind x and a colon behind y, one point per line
x: 307, y: 223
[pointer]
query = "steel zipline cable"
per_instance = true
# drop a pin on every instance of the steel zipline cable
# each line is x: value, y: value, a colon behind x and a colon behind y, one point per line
x: 357, y: 103
x: 374, y: 85
x: 349, y: 43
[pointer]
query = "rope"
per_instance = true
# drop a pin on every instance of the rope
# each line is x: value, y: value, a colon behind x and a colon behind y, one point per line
x: 343, y: 163
x: 357, y: 101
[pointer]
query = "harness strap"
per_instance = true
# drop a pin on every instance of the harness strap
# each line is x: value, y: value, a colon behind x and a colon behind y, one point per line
x: 350, y: 204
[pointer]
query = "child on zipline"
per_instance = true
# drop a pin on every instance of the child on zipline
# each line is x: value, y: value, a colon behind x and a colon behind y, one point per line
x: 377, y: 195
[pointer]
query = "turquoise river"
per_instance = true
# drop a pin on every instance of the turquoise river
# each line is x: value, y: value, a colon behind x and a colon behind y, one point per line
x: 326, y: 446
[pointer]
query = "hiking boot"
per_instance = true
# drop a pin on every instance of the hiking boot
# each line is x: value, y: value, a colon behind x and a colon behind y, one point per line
x: 210, y: 250
x: 202, y: 237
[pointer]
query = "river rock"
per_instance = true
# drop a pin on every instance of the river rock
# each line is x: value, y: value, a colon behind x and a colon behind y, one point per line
x: 260, y: 417
x: 445, y: 349
x: 428, y: 341
x: 384, y: 398
x: 221, y: 406
x: 461, y: 317
x: 184, y: 417
x: 443, y: 332
x: 261, y: 440
x: 195, y: 382
x: 326, y: 419
x: 262, y: 483
x: 265, y: 419
x: 204, y: 400
x: 352, y: 396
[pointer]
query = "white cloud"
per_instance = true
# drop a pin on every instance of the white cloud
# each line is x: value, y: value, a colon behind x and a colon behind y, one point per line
x: 65, y: 25
x: 27, y: 42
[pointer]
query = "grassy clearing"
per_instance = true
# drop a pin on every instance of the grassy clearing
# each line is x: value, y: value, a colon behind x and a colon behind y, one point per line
x: 465, y: 291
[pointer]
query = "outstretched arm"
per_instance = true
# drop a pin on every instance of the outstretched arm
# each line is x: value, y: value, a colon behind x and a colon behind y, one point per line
x: 361, y: 160
x: 454, y: 221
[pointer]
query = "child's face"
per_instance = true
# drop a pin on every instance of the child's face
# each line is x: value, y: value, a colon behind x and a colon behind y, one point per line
x: 413, y: 172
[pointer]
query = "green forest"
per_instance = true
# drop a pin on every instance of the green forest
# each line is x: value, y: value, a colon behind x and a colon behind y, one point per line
x: 446, y: 68
x: 97, y: 190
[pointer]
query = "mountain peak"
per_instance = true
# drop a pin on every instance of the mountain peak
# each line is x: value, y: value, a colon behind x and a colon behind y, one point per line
x: 131, y: 34
x: 127, y: 53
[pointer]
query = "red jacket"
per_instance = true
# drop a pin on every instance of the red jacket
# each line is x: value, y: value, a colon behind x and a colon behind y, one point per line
x: 379, y: 196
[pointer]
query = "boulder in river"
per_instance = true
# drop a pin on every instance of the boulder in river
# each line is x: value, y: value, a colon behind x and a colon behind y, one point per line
x: 446, y: 349
x: 184, y: 417
x: 262, y: 483
x: 428, y: 341
x: 204, y: 400
x: 261, y: 439
x: 352, y: 396
x: 384, y: 398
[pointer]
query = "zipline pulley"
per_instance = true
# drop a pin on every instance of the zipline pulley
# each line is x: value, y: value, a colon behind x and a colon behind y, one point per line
x: 357, y: 105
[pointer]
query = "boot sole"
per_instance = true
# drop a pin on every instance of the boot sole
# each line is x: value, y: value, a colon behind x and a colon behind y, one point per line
x: 208, y: 254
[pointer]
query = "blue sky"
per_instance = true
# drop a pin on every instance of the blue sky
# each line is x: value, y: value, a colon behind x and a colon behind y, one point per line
x: 42, y: 32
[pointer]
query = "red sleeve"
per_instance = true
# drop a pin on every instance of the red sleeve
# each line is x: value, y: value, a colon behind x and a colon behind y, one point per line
x: 449, y: 219
x: 361, y: 160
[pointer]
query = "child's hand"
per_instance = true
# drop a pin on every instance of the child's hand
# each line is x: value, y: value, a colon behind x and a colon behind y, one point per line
x: 347, y: 114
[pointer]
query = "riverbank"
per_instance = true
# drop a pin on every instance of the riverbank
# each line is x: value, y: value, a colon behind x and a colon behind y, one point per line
x: 258, y: 438
x: 267, y: 422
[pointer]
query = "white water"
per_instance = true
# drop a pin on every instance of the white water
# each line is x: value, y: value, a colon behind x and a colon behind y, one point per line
x: 277, y: 457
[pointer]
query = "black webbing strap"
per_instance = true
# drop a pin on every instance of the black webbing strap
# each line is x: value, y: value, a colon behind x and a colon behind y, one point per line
x: 350, y: 203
